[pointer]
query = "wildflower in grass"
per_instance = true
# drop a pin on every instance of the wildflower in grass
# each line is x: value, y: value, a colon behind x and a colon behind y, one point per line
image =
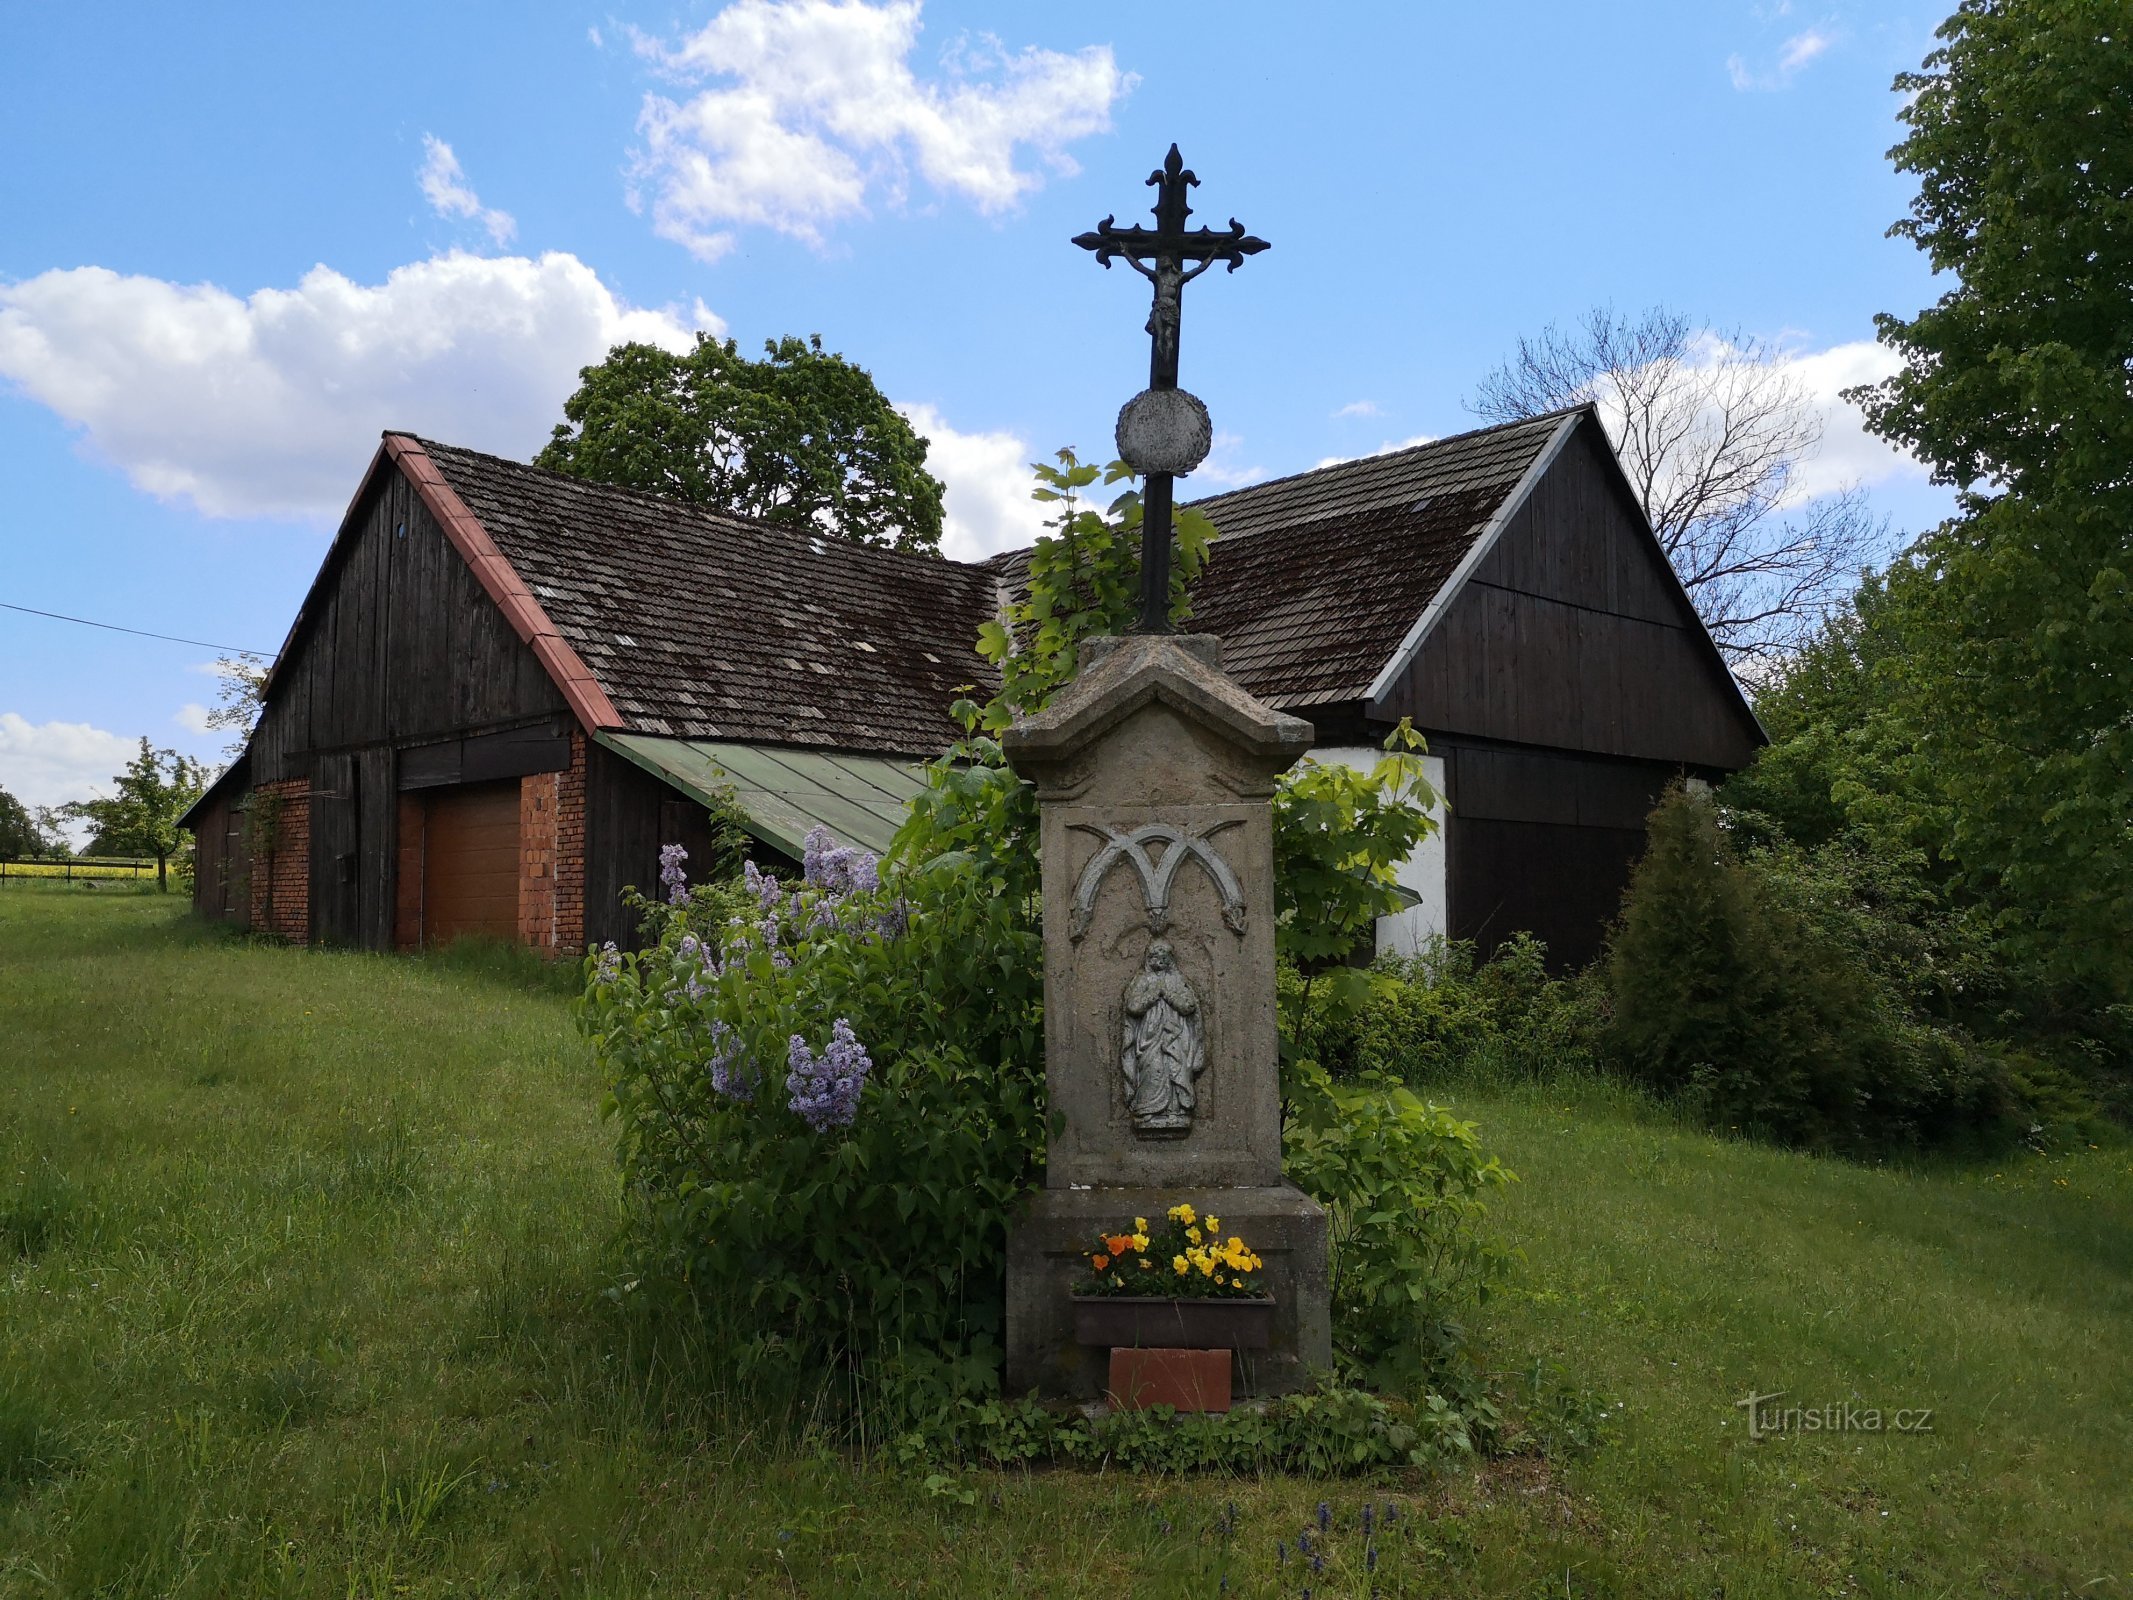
x: 824, y: 1090
x: 671, y: 877
x: 1325, y: 1516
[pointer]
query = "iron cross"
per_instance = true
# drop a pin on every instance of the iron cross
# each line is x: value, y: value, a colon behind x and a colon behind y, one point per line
x: 1169, y: 257
x: 1169, y: 247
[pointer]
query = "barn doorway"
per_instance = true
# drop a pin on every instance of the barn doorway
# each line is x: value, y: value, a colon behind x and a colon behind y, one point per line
x: 470, y: 861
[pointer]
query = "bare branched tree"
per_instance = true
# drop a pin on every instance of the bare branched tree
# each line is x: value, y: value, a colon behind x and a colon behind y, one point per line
x: 1711, y: 431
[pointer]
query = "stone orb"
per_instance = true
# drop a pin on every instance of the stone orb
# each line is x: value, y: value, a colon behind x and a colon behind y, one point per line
x: 1164, y: 430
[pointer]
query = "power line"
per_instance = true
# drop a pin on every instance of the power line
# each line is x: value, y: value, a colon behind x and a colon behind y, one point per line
x: 170, y: 638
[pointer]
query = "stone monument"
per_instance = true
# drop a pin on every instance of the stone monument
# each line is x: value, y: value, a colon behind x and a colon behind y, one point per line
x: 1154, y: 772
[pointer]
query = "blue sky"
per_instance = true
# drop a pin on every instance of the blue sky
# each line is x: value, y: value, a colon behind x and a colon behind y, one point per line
x: 241, y: 240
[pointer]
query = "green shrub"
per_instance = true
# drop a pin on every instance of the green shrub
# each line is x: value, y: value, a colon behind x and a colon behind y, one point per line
x: 1763, y: 988
x: 829, y: 1111
x: 1402, y: 1182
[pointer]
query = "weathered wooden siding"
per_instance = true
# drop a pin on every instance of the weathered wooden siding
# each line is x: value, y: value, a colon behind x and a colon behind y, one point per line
x: 1543, y: 842
x: 629, y: 815
x: 218, y: 859
x: 402, y: 646
x: 1571, y: 635
x: 404, y: 675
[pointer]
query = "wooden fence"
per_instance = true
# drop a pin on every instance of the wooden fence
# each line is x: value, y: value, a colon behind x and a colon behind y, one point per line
x: 77, y: 869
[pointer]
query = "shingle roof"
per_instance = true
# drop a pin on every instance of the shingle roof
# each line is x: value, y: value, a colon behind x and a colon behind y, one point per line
x: 701, y: 625
x: 706, y: 626
x: 1315, y: 580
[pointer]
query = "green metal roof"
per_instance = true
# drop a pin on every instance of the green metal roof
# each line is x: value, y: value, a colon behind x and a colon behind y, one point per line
x: 783, y: 793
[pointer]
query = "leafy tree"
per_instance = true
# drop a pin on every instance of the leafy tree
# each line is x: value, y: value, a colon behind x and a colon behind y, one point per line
x: 141, y: 815
x: 236, y: 705
x: 1711, y: 432
x: 23, y: 833
x: 801, y: 437
x: 2002, y: 700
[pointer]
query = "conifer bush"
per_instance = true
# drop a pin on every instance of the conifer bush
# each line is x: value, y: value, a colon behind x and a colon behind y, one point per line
x: 1755, y: 985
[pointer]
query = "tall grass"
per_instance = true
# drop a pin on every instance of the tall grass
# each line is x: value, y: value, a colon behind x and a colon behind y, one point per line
x: 308, y: 1286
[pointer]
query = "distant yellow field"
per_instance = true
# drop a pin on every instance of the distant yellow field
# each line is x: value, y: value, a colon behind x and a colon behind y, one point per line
x: 76, y: 870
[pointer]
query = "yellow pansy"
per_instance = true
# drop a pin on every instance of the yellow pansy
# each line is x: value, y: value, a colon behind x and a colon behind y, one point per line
x: 1140, y: 1241
x: 1179, y: 1263
x: 1193, y: 1234
x: 1212, y: 1223
x: 1140, y: 1224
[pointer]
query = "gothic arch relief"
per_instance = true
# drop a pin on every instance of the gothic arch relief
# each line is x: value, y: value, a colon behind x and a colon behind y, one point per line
x: 1156, y: 877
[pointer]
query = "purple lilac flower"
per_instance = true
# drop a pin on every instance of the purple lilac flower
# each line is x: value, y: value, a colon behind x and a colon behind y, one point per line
x: 825, y: 1089
x: 836, y: 867
x: 608, y: 967
x: 763, y: 885
x: 675, y: 881
x: 729, y: 1064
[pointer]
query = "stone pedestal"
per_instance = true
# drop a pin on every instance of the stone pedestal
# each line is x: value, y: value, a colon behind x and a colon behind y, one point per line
x: 1153, y: 773
x: 1046, y: 1255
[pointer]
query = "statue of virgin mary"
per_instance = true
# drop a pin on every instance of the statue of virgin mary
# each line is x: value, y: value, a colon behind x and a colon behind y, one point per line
x: 1164, y: 1050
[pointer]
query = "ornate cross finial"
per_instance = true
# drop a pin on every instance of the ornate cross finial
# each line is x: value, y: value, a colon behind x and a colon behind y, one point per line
x: 1163, y: 432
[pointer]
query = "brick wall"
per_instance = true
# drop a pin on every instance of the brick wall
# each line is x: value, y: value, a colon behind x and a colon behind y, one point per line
x: 536, y: 861
x: 551, y: 874
x: 280, y: 866
x: 570, y: 851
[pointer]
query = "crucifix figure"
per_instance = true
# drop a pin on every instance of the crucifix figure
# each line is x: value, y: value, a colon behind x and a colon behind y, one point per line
x: 1163, y: 432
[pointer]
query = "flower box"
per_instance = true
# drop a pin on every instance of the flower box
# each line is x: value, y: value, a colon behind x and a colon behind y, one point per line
x: 1137, y: 1322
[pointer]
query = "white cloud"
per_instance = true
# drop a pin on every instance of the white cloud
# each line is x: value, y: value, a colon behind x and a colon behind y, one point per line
x: 192, y: 717
x: 816, y: 109
x: 1793, y: 55
x: 50, y: 763
x: 1358, y: 408
x: 271, y: 405
x: 1222, y: 468
x: 1848, y: 453
x: 1385, y: 447
x: 988, y: 482
x: 445, y: 186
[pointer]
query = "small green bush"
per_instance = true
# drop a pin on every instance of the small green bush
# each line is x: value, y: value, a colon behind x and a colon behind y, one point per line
x: 1403, y: 1183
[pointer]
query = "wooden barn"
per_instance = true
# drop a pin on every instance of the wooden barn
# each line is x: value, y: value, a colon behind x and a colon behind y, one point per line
x: 507, y: 689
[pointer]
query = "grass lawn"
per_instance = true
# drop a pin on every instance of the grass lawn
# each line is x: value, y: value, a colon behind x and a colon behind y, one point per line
x: 303, y: 1264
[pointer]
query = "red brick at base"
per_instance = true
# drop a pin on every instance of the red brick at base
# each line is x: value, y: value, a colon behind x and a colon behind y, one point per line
x: 1186, y: 1380
x: 279, y: 861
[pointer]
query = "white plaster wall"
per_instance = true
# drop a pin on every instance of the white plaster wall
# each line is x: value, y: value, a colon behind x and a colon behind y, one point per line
x: 1406, y: 932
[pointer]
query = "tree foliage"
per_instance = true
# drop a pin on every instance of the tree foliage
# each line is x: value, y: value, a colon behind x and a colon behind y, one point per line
x: 1712, y: 432
x: 140, y: 815
x: 1981, y: 703
x: 23, y: 833
x: 240, y: 678
x: 1792, y: 994
x: 800, y: 437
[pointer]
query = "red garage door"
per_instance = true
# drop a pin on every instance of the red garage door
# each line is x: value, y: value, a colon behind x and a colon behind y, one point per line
x: 470, y: 862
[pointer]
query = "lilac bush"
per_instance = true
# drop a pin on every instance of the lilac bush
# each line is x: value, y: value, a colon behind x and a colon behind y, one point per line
x: 859, y: 1215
